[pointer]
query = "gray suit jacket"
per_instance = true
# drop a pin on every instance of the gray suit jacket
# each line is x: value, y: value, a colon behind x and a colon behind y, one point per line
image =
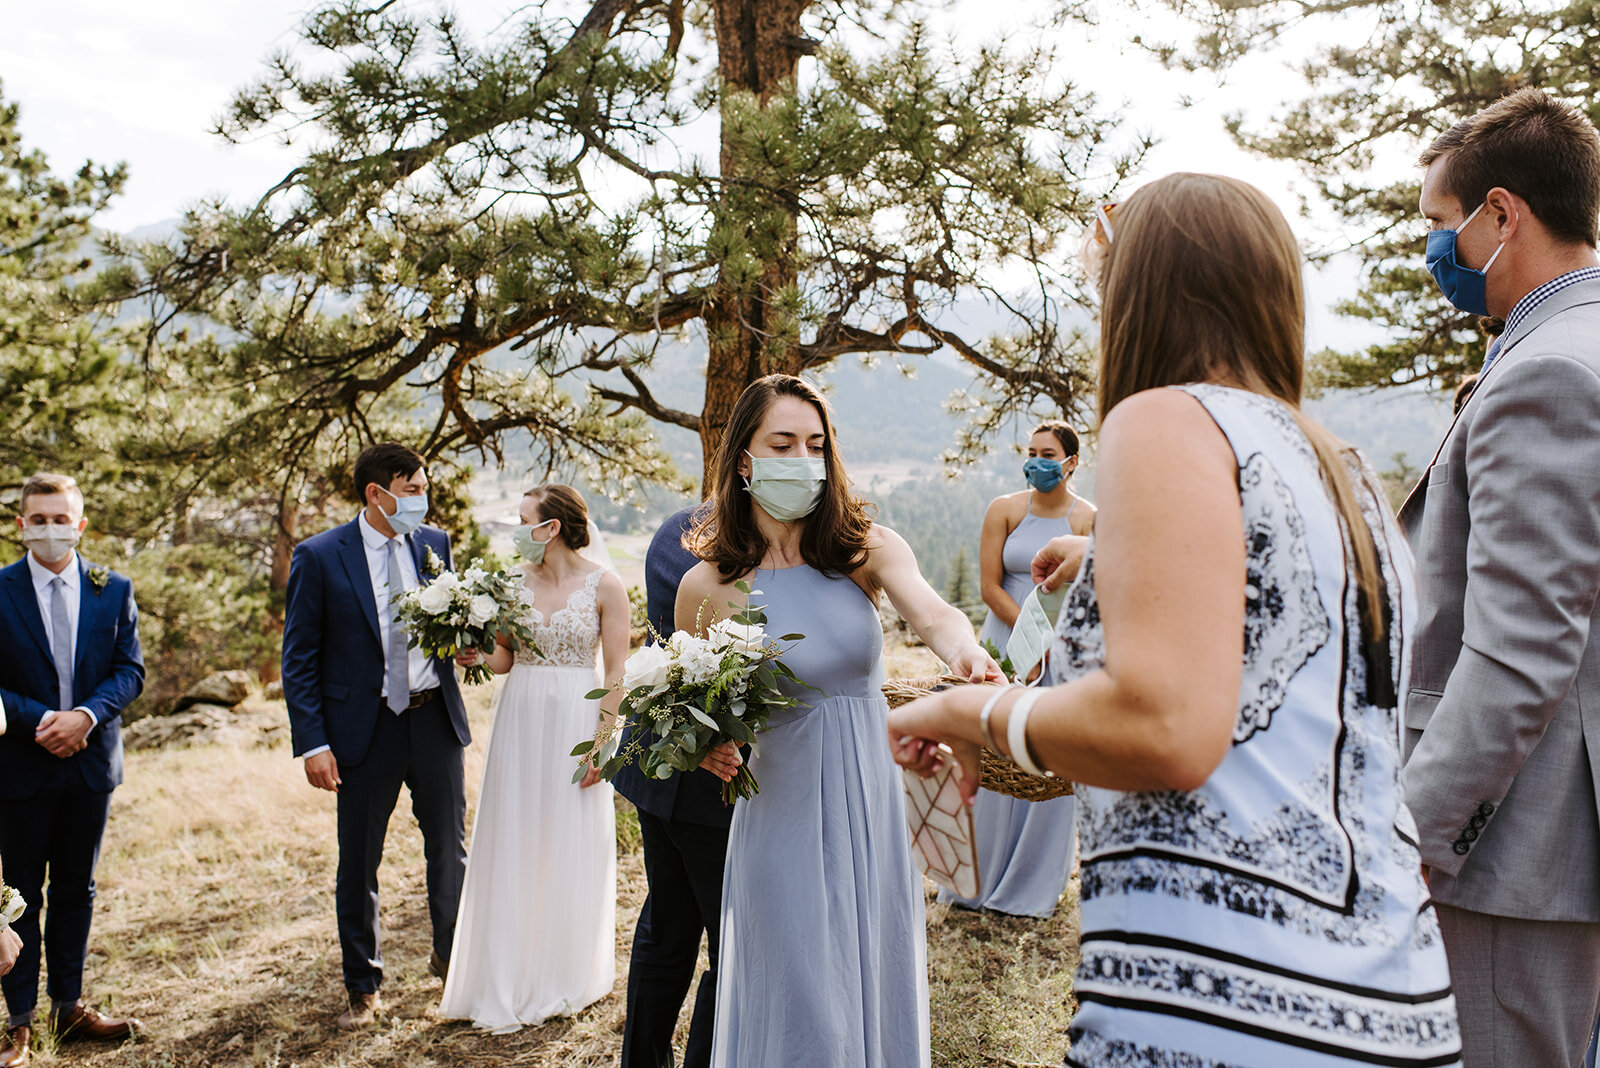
x: 1503, y: 710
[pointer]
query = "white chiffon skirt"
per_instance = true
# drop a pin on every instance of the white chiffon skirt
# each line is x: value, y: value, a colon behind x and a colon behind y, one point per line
x: 536, y: 936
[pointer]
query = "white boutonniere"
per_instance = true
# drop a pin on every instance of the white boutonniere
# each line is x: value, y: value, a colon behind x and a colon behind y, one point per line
x: 12, y: 906
x: 431, y: 562
x: 99, y: 575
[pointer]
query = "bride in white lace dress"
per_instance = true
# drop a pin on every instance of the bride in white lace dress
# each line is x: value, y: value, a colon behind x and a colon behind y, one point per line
x: 537, y: 930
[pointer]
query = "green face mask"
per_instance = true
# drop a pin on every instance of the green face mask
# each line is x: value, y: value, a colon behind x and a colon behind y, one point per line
x: 527, y: 548
x: 787, y: 488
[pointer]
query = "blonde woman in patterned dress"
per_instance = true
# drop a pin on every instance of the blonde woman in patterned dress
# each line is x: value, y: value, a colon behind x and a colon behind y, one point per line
x: 537, y: 930
x: 1226, y: 665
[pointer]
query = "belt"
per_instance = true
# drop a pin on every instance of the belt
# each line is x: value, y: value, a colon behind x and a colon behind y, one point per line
x: 422, y: 697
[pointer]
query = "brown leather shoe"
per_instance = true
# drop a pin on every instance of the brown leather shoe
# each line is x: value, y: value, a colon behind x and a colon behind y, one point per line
x: 363, y: 1011
x: 14, y: 1044
x: 439, y: 966
x: 81, y: 1023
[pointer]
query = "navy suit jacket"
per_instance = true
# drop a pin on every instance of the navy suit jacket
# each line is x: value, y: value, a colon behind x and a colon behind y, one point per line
x: 696, y: 796
x: 332, y: 652
x: 107, y: 674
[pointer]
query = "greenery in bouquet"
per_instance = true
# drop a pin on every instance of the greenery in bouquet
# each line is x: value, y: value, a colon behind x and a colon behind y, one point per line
x: 454, y: 612
x: 687, y: 695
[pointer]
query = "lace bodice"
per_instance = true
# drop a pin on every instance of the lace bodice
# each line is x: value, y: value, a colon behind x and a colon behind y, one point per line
x: 571, y: 635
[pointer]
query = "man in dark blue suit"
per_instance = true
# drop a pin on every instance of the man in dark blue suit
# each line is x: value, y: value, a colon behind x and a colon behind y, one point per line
x: 369, y: 714
x: 684, y: 825
x: 72, y: 664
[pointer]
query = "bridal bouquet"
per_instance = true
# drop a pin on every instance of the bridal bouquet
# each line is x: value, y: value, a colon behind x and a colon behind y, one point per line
x: 686, y: 697
x: 452, y: 613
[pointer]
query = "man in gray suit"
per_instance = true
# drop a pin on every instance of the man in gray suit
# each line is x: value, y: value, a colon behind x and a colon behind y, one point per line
x: 1505, y: 674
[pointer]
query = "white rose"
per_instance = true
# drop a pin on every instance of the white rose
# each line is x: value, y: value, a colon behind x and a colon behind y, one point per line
x: 647, y: 667
x: 434, y: 598
x: 475, y: 574
x: 746, y: 638
x: 481, y: 610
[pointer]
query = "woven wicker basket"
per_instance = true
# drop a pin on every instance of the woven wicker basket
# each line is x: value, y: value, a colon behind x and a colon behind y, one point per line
x: 996, y: 773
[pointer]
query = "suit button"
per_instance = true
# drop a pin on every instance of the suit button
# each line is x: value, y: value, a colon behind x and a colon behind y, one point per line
x: 1470, y: 834
x: 1486, y: 809
x: 1477, y: 822
x: 1461, y: 848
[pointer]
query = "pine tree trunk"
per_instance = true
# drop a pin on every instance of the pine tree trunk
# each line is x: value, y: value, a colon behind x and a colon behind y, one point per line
x: 756, y: 52
x: 283, y: 542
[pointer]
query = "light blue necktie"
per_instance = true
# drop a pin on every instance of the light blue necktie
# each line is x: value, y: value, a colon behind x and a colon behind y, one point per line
x: 61, y: 640
x: 397, y: 664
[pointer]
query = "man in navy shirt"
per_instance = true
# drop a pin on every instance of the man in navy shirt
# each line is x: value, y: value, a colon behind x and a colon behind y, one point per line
x: 684, y: 825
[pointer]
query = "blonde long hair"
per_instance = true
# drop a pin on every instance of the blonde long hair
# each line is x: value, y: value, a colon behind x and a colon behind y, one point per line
x: 1202, y: 283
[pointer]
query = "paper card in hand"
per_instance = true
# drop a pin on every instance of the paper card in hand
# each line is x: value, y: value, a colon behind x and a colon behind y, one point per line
x: 943, y: 842
x: 1030, y: 636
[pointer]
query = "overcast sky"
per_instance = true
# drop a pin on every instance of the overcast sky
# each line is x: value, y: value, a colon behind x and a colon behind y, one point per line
x: 144, y: 83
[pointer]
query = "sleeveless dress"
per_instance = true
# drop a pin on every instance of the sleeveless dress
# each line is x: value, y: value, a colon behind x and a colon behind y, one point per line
x: 1276, y: 917
x: 1024, y: 847
x: 536, y: 936
x: 823, y: 954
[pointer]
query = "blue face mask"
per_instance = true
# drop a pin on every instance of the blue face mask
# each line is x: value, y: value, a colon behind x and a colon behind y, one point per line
x: 408, y: 513
x: 1043, y: 474
x: 1461, y: 286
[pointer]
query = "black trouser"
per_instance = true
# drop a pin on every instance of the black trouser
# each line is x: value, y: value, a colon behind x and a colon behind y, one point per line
x: 420, y: 749
x: 55, y: 833
x: 683, y: 866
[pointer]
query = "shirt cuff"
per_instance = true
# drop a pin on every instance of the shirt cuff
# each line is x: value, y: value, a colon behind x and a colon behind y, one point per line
x: 94, y: 720
x: 309, y: 753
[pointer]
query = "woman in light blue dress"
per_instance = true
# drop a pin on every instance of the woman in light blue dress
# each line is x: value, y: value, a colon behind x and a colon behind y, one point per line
x: 1025, y: 847
x: 823, y: 954
x: 1228, y: 661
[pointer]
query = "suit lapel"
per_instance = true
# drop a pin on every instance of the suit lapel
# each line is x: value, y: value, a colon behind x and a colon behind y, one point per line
x: 353, y: 555
x: 418, y: 554
x: 25, y: 603
x: 1563, y: 300
x: 90, y: 602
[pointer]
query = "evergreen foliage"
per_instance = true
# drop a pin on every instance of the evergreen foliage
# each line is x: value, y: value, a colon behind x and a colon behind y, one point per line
x: 490, y: 239
x: 1384, y: 79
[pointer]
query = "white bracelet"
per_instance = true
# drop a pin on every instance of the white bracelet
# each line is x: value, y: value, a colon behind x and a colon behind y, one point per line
x: 1017, y: 734
x: 988, y: 710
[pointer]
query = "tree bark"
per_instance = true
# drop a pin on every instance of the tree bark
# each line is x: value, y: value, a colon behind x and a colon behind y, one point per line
x: 755, y: 53
x: 283, y: 543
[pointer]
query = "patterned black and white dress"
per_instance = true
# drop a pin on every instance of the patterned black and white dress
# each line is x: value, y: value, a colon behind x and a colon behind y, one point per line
x: 1275, y: 917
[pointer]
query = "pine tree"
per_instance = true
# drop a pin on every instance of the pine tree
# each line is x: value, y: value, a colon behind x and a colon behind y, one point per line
x: 495, y: 237
x: 1408, y: 73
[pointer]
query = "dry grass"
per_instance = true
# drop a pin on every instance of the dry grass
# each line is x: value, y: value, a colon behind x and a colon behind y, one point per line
x: 215, y: 926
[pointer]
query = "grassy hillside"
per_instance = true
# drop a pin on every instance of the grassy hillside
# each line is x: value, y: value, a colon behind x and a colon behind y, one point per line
x: 215, y: 926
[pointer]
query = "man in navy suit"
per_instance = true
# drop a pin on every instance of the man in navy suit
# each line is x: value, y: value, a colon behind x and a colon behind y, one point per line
x: 684, y: 825
x: 369, y: 714
x: 71, y: 665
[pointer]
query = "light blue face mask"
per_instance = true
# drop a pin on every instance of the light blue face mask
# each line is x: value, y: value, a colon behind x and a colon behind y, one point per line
x: 409, y: 513
x: 787, y: 487
x: 1463, y: 287
x: 527, y: 548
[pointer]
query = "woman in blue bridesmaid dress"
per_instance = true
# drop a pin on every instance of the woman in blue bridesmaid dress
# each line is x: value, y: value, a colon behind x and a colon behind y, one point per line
x: 823, y: 953
x: 1025, y: 847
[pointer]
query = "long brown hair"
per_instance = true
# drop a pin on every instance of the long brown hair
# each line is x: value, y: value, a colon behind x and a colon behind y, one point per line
x: 1202, y: 284
x: 834, y: 540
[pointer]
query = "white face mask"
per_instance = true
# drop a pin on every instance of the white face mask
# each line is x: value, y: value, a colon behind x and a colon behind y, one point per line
x: 787, y: 488
x: 51, y: 542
